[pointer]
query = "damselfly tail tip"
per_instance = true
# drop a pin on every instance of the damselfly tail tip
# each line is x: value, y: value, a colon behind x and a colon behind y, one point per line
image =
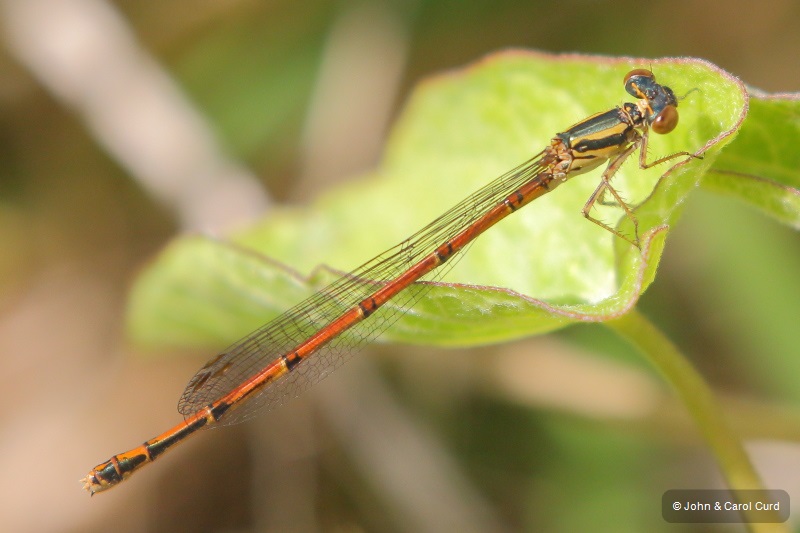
x: 89, y: 484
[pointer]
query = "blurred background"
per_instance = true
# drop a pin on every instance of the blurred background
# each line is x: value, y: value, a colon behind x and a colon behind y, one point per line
x: 124, y: 124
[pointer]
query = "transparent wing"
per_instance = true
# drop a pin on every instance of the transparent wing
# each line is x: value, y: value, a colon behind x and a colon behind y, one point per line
x: 282, y: 335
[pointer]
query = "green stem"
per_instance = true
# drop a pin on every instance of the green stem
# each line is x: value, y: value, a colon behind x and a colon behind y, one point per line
x: 699, y: 399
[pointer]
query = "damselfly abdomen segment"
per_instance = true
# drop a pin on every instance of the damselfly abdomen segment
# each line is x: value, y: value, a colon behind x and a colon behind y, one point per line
x: 307, y: 342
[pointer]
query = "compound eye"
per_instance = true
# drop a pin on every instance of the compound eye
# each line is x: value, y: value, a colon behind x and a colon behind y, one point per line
x: 639, y: 72
x: 666, y: 120
x: 638, y: 79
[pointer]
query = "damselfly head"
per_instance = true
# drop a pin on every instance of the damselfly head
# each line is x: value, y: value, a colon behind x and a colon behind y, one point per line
x: 656, y: 102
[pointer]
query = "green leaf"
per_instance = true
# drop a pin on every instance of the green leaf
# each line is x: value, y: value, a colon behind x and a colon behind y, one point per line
x: 762, y: 166
x: 205, y: 292
x: 536, y: 271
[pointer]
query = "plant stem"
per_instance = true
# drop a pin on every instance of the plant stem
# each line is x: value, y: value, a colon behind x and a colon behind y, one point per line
x: 699, y: 399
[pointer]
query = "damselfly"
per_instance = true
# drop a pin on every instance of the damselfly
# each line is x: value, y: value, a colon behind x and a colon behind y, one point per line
x: 304, y: 344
